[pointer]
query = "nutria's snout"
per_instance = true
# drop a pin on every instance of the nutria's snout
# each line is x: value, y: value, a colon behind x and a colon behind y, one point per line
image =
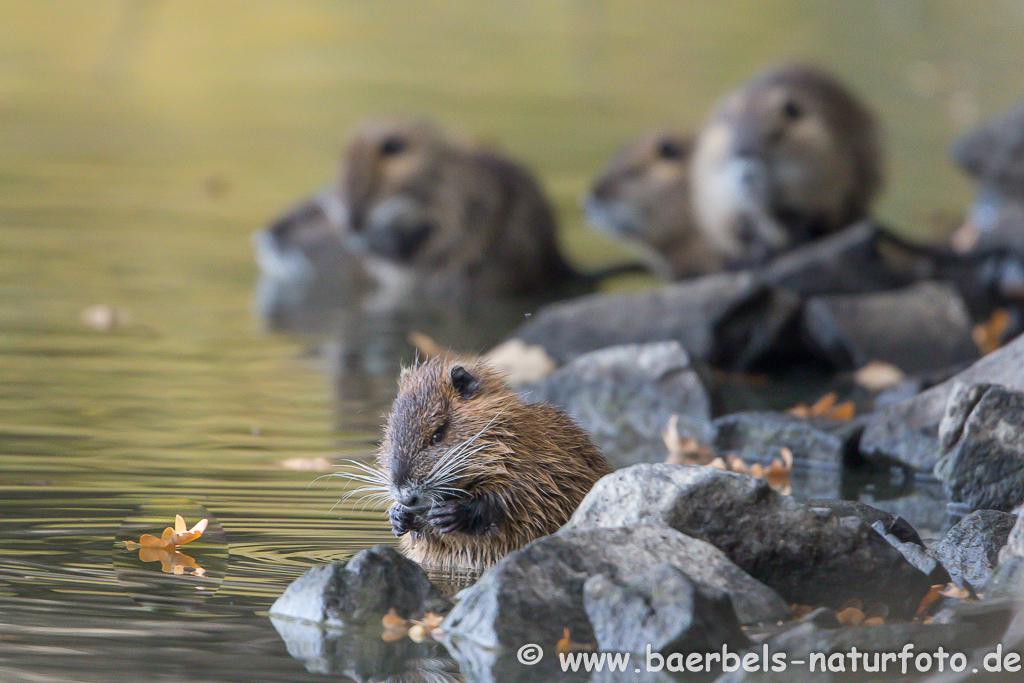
x: 472, y: 472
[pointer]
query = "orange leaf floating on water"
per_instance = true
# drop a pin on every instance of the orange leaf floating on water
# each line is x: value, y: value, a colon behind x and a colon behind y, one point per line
x: 952, y: 591
x: 776, y: 473
x: 171, y: 538
x: 418, y: 630
x: 684, y: 451
x: 933, y: 594
x: 564, y: 645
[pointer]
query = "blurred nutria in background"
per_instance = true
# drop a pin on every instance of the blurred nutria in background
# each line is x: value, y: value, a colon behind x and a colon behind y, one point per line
x: 415, y: 213
x: 787, y: 157
x: 642, y: 197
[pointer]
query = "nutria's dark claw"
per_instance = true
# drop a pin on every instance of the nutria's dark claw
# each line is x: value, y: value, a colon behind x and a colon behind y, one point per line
x: 401, y: 519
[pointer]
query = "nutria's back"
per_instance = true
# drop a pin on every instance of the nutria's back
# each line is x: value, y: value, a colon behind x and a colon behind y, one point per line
x: 475, y: 473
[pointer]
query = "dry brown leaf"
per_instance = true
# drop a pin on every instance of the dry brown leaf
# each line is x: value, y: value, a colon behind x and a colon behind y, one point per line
x: 989, y: 335
x: 307, y: 464
x: 877, y: 375
x: 521, y: 363
x: 851, y: 616
x: 933, y: 594
x: 873, y: 621
x: 826, y: 406
x: 801, y: 611
x: 953, y: 591
x: 171, y: 538
x: 417, y: 633
x: 684, y: 451
x: 565, y: 644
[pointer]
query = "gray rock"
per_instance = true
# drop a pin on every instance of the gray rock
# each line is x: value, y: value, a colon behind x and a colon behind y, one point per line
x: 907, y: 432
x: 916, y: 555
x: 1008, y: 576
x: 624, y: 396
x: 686, y: 312
x: 982, y: 442
x: 361, y: 591
x: 661, y: 608
x: 533, y: 594
x: 809, y: 556
x: 922, y: 327
x: 970, y: 550
x: 898, y: 527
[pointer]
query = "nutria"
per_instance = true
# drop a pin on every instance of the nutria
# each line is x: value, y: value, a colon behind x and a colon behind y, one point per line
x: 416, y: 212
x: 466, y: 219
x: 473, y: 472
x: 643, y: 198
x: 789, y: 156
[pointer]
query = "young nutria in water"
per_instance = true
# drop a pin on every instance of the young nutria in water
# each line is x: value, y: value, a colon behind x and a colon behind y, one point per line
x: 474, y: 473
x: 643, y: 198
x: 790, y: 156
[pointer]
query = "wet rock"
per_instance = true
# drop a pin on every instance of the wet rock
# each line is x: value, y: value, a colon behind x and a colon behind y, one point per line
x: 982, y: 441
x: 970, y: 550
x: 809, y: 556
x: 915, y: 554
x: 361, y: 591
x: 534, y: 594
x: 661, y: 608
x: 920, y: 328
x: 1008, y: 576
x: 898, y: 527
x: 907, y: 432
x: 360, y: 654
x: 686, y: 312
x: 807, y: 641
x: 624, y: 396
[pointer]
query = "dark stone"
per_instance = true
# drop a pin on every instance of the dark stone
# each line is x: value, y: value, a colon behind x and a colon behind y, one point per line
x: 807, y: 639
x: 915, y: 554
x: 994, y: 152
x: 624, y: 396
x: 535, y: 593
x: 898, y: 527
x: 907, y: 432
x: 982, y: 442
x: 1008, y: 576
x: 970, y: 551
x: 361, y: 591
x: 686, y: 312
x: 920, y: 328
x: 662, y: 608
x: 809, y: 556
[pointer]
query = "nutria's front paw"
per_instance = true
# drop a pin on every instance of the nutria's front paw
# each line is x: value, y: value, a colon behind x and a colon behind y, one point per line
x: 401, y: 519
x: 462, y: 516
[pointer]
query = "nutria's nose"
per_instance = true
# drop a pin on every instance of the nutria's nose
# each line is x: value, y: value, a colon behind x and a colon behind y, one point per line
x: 409, y: 499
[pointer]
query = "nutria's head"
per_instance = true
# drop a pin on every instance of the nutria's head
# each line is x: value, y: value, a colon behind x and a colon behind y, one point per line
x: 790, y: 155
x: 643, y: 197
x: 473, y: 472
x: 389, y: 176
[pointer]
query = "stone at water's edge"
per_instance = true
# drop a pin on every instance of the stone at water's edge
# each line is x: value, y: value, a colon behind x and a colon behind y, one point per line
x: 970, y: 551
x: 533, y: 594
x: 624, y: 396
x: 809, y: 556
x: 662, y: 608
x: 907, y: 432
x: 1008, y: 576
x: 361, y: 591
x: 917, y: 329
x: 982, y: 440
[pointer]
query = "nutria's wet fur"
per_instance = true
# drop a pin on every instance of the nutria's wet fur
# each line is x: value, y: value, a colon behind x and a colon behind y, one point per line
x: 789, y: 156
x: 473, y: 472
x: 642, y: 197
x: 467, y: 220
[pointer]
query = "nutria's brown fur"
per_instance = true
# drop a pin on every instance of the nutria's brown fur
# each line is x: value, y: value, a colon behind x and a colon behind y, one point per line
x: 466, y: 220
x: 474, y: 473
x: 643, y: 197
x: 788, y: 157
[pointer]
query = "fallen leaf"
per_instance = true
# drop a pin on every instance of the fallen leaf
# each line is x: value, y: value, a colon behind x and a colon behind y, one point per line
x: 307, y: 464
x: 955, y: 592
x: 873, y: 621
x: 877, y: 375
x: 684, y: 450
x: 520, y: 363
x: 826, y: 406
x: 933, y: 594
x: 425, y: 345
x: 565, y: 644
x: 171, y: 538
x: 989, y: 335
x: 851, y: 616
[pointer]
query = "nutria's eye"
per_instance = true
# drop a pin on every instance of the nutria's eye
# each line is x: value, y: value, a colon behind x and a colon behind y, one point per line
x: 392, y: 145
x: 792, y: 109
x: 438, y: 435
x: 669, y: 149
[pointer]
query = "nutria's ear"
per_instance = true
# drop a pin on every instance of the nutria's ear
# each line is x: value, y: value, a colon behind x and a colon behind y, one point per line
x: 464, y: 383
